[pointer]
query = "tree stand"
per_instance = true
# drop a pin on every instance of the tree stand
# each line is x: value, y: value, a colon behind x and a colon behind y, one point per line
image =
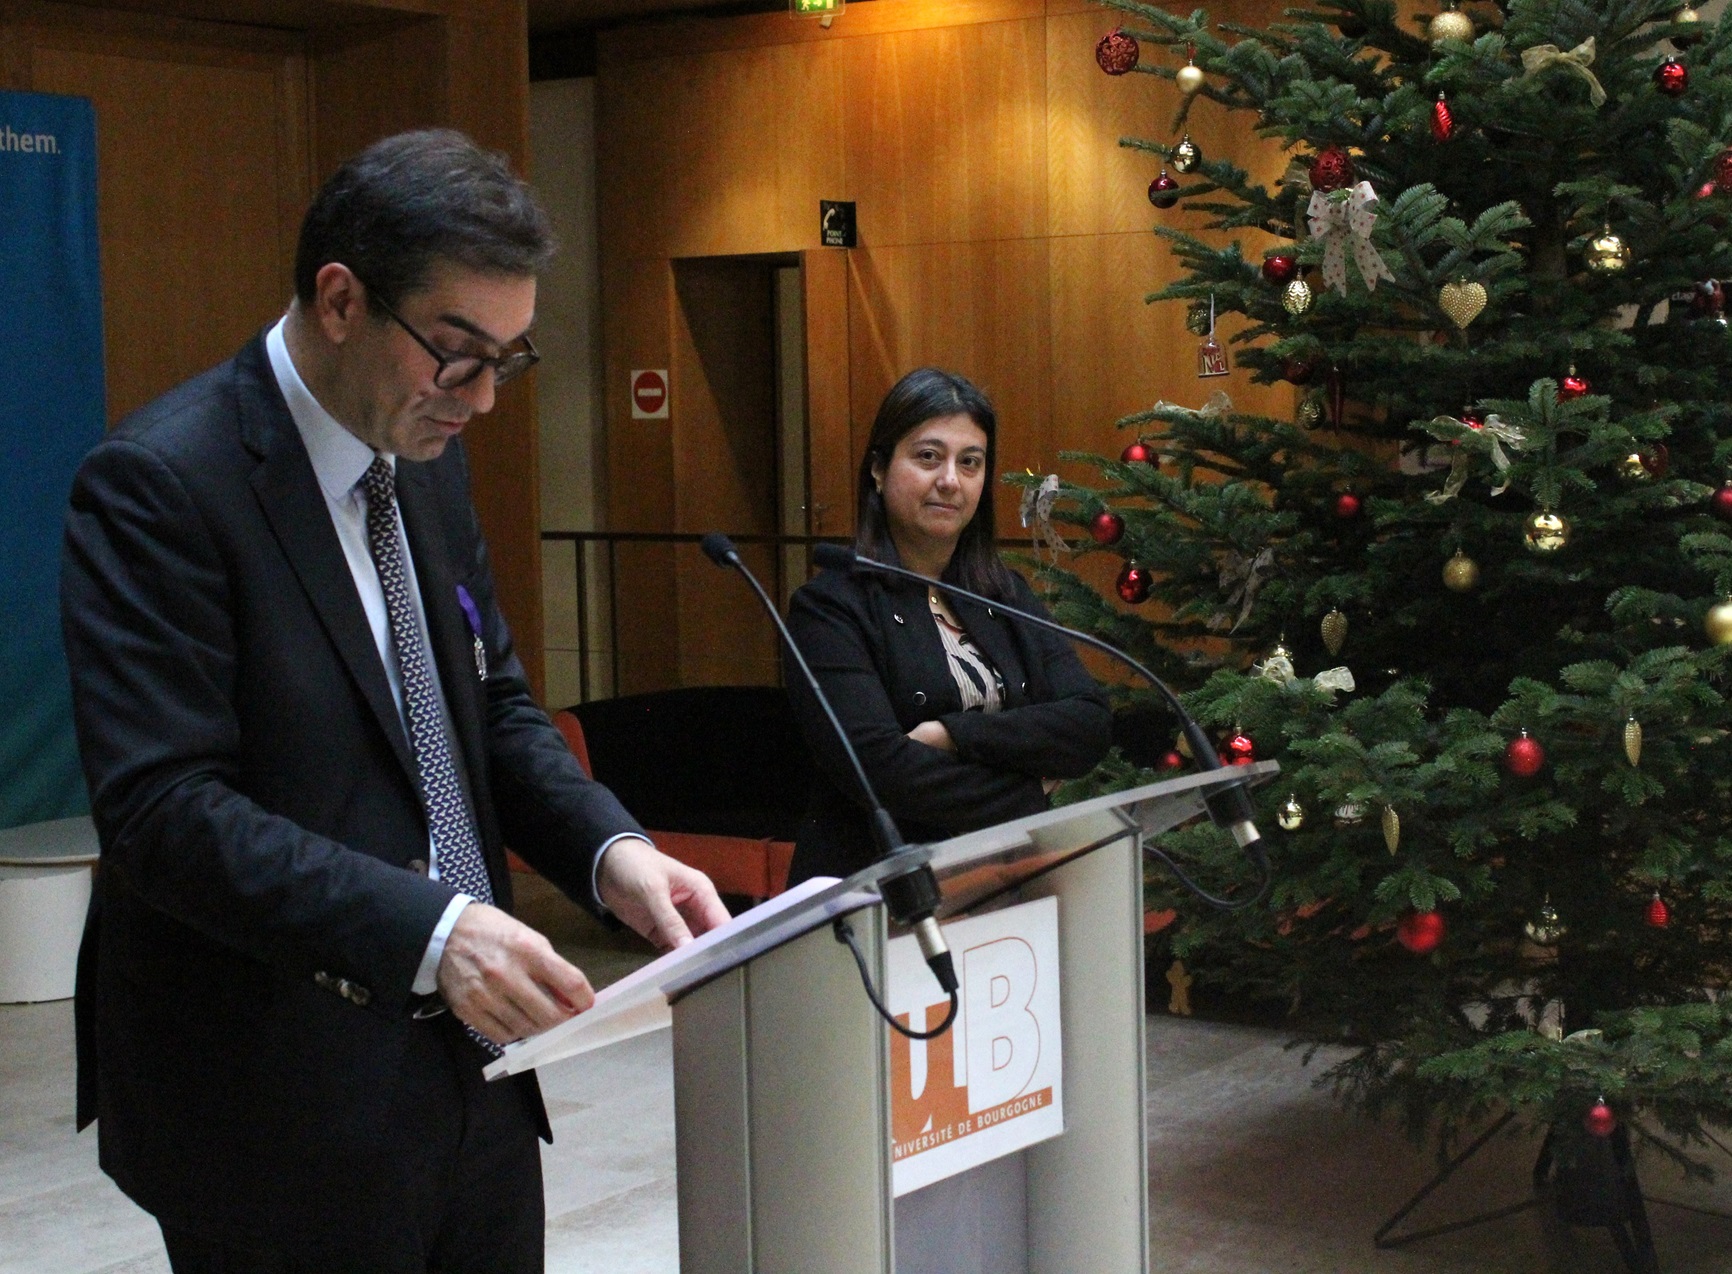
x: 1585, y: 1181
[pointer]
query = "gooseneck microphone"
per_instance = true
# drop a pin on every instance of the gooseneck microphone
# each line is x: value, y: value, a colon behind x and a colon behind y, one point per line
x: 911, y: 897
x: 1228, y: 807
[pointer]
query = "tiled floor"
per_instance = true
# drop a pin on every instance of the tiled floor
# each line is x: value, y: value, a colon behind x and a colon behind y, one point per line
x: 1252, y: 1169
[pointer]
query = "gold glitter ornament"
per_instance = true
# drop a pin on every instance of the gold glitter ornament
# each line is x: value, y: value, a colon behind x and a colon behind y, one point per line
x: 1718, y: 623
x: 1633, y: 740
x: 1334, y: 630
x: 1463, y: 301
x: 1461, y: 573
x: 1545, y: 928
x: 1291, y: 814
x: 1451, y: 24
x: 1296, y: 297
x: 1197, y: 318
x: 1391, y: 828
x: 1545, y: 531
x: 1310, y: 412
x: 1607, y: 253
x: 1186, y: 156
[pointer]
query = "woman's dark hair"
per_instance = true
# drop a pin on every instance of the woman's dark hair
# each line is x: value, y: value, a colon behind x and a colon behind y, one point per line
x: 405, y: 204
x: 927, y: 394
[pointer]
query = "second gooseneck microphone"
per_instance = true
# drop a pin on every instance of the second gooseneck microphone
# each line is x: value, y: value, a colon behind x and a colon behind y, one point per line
x: 1229, y: 807
x: 912, y: 897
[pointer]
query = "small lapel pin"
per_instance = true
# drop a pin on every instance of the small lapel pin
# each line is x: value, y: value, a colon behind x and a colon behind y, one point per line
x: 473, y: 614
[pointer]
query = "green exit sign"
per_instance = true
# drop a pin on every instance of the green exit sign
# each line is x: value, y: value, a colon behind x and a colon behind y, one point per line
x: 815, y: 8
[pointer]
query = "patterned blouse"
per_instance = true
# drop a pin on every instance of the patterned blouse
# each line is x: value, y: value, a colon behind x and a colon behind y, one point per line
x: 979, y: 682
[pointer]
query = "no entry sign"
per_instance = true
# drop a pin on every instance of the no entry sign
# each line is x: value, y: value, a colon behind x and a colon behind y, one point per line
x: 649, y: 394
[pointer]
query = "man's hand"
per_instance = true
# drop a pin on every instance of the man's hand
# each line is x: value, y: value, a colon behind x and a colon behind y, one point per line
x: 506, y: 980
x: 660, y: 897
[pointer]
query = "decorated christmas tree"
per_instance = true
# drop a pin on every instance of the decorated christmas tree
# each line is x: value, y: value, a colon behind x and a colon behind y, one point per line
x: 1476, y: 596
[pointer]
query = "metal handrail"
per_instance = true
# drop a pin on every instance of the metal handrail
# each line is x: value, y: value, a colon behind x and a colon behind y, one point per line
x: 613, y: 539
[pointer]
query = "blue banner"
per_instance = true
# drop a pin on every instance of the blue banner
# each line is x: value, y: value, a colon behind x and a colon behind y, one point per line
x: 51, y: 413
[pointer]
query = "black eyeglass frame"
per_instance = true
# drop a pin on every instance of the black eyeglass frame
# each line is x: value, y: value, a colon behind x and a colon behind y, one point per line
x: 506, y: 367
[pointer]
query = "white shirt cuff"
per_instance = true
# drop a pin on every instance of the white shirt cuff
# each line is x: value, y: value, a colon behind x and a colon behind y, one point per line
x: 427, y: 976
x: 595, y: 866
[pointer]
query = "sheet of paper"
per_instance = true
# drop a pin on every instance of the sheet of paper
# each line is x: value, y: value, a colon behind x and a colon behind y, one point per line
x: 638, y: 1002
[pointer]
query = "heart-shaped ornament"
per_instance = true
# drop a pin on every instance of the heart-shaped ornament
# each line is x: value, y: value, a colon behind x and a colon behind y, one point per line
x: 1462, y: 301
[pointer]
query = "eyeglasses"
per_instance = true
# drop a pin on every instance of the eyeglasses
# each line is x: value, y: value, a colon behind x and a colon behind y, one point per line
x: 458, y: 370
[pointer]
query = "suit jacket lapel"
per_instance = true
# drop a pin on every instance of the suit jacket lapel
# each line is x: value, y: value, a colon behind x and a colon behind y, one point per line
x: 288, y: 491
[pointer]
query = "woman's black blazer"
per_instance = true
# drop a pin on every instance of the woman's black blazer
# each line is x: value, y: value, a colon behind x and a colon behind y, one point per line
x: 878, y: 655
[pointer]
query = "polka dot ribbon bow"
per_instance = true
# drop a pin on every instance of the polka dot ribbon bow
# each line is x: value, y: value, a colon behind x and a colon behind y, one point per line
x: 1344, y: 219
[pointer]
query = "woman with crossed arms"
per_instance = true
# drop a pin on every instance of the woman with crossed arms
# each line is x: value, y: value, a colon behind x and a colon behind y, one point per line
x: 963, y: 717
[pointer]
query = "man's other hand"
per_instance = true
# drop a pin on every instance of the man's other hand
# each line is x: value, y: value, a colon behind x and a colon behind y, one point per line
x: 505, y: 979
x: 660, y: 897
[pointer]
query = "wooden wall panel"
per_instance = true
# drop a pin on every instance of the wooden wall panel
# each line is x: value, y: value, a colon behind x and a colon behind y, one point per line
x: 830, y: 459
x: 946, y: 133
x: 975, y: 308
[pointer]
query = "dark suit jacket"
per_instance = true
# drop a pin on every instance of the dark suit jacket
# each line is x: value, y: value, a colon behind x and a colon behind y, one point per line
x: 244, y: 991
x: 878, y: 655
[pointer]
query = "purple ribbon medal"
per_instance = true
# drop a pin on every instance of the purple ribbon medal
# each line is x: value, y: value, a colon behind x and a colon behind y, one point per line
x: 473, y: 613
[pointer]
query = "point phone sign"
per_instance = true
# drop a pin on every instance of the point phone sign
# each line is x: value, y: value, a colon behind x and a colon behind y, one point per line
x: 649, y: 394
x: 994, y: 1083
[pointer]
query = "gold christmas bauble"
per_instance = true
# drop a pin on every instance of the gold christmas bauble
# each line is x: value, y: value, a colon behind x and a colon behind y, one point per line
x: 1545, y: 928
x: 1632, y: 468
x: 1718, y: 623
x: 1545, y: 531
x: 1296, y: 297
x: 1310, y: 412
x: 1334, y: 630
x: 1451, y: 24
x: 1607, y: 253
x: 1189, y: 79
x: 1186, y: 156
x: 1461, y: 573
x: 1291, y: 815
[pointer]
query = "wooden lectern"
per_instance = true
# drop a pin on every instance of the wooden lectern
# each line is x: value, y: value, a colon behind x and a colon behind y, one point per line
x: 781, y: 1065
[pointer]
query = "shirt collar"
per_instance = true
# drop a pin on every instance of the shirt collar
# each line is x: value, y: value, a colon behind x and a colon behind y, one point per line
x: 339, y: 458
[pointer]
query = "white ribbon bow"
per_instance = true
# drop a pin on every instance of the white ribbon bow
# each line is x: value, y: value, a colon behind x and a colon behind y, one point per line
x: 1578, y: 59
x: 1342, y: 219
x: 1334, y: 679
x: 1496, y: 434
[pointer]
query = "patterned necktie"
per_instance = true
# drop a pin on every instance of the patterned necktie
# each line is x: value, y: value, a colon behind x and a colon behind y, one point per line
x: 456, y: 848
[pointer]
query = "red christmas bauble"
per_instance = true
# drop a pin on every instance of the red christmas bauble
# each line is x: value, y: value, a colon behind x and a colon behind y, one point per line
x: 1283, y: 267
x: 1656, y: 458
x: 1723, y: 171
x: 1720, y: 503
x: 1442, y: 120
x: 1173, y: 760
x: 1572, y: 386
x: 1346, y: 506
x: 1705, y: 189
x: 1298, y: 370
x: 1137, y: 453
x: 1163, y: 191
x: 1708, y: 298
x: 1658, y: 914
x: 1421, y: 932
x: 1241, y: 747
x: 1117, y: 52
x: 1524, y: 756
x: 1133, y: 584
x: 1671, y: 78
x: 1472, y: 419
x: 1107, y: 528
x: 1600, y: 1121
x: 1331, y: 170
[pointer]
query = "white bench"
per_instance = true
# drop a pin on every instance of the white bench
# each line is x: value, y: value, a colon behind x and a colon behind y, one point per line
x: 45, y: 876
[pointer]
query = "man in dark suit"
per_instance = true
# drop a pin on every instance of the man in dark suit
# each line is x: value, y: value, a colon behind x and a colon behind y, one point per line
x: 308, y: 742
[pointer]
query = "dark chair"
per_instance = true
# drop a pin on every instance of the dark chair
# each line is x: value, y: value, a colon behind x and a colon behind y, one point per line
x: 718, y: 774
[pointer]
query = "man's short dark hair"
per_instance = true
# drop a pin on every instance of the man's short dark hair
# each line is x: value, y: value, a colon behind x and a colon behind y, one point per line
x: 410, y: 202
